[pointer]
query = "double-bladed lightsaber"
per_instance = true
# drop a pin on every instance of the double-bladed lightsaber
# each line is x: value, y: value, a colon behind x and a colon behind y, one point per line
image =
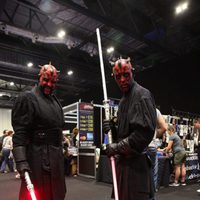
x: 107, y: 114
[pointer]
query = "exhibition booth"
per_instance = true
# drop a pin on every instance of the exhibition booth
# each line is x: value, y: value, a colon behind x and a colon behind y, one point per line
x: 81, y: 115
x: 87, y: 117
x: 92, y: 163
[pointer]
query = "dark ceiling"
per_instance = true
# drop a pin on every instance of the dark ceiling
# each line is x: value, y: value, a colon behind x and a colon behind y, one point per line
x: 147, y: 31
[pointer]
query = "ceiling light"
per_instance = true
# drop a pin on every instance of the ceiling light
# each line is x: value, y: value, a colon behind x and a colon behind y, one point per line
x: 185, y: 5
x: 70, y: 72
x: 181, y: 8
x: 11, y: 83
x: 61, y: 34
x: 30, y: 64
x: 110, y: 49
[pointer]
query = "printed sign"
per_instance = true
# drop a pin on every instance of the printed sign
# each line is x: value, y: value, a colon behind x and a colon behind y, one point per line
x: 86, y: 124
x: 192, y: 167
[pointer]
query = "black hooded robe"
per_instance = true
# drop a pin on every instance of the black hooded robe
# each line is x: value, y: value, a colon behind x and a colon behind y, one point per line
x: 137, y: 122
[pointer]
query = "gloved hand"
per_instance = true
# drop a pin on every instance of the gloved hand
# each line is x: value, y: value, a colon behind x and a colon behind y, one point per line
x: 111, y: 149
x: 113, y: 121
x: 22, y: 167
x: 122, y: 148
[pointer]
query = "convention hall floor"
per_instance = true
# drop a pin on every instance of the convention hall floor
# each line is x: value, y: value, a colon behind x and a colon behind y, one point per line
x: 88, y: 189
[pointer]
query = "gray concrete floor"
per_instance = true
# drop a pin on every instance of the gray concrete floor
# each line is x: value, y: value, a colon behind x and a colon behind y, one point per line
x: 79, y: 188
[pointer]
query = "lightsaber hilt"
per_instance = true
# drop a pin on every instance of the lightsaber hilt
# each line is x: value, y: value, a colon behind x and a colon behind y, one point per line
x: 107, y: 117
x: 28, y: 182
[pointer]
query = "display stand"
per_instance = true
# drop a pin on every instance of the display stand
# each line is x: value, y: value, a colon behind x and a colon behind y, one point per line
x: 81, y: 114
x: 192, y: 166
x: 87, y: 162
x: 71, y: 113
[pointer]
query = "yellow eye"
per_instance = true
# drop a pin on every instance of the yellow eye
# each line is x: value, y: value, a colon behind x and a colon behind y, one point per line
x: 118, y: 77
x: 126, y: 74
x: 45, y: 79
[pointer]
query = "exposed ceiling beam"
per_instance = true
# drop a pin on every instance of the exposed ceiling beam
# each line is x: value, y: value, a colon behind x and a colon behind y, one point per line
x: 15, y: 10
x: 101, y: 7
x: 130, y: 16
x: 29, y: 22
x: 3, y: 5
x: 111, y: 23
x: 8, y: 16
x: 84, y: 38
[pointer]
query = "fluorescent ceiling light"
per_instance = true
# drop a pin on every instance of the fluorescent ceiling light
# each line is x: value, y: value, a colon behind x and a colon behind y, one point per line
x: 61, y: 34
x: 11, y: 83
x: 181, y: 8
x: 30, y: 64
x: 70, y: 72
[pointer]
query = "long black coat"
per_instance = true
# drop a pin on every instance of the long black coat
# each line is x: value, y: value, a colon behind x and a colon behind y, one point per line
x: 137, y: 121
x: 32, y: 113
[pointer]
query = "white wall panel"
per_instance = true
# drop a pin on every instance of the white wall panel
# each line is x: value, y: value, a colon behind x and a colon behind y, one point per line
x: 5, y: 120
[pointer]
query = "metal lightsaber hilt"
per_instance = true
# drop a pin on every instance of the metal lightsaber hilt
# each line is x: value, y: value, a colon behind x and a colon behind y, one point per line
x: 30, y: 186
x: 107, y: 117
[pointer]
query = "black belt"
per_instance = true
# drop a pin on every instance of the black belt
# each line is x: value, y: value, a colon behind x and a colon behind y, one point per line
x: 50, y: 137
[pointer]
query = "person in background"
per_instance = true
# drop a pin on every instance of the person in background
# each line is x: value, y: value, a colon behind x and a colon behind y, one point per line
x: 197, y: 130
x: 7, y: 152
x: 66, y: 142
x: 5, y: 133
x: 197, y: 127
x: 75, y: 136
x: 1, y: 143
x: 175, y: 144
x: 161, y: 128
x: 38, y: 120
x: 67, y: 156
x: 135, y: 130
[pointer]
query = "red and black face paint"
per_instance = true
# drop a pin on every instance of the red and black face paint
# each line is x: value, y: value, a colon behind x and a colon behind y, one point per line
x: 48, y: 78
x: 122, y: 72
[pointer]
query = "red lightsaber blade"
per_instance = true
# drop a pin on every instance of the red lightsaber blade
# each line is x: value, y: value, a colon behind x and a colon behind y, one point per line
x: 30, y: 186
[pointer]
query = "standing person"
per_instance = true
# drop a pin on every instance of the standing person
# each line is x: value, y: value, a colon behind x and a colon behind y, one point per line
x: 6, y: 152
x: 161, y: 128
x: 37, y: 119
x: 197, y: 130
x: 197, y: 127
x: 1, y: 144
x: 75, y: 136
x: 176, y: 145
x: 5, y: 133
x: 136, y: 126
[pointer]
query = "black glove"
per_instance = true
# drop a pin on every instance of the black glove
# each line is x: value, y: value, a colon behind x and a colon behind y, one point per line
x: 111, y: 149
x: 122, y: 148
x: 22, y: 165
x: 113, y: 121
